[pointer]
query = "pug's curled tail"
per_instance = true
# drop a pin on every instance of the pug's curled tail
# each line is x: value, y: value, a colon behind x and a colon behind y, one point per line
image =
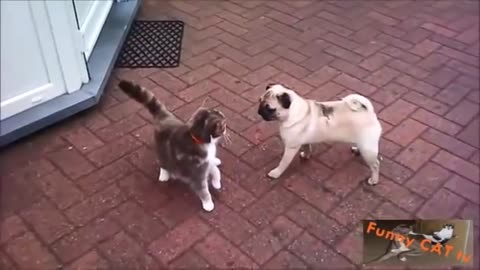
x: 145, y: 97
x: 358, y: 102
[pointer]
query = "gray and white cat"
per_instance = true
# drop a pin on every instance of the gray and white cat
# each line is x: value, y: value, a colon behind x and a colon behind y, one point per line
x: 442, y: 236
x: 186, y: 151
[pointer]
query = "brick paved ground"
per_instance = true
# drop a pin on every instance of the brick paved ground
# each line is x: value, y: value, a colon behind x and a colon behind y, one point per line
x: 84, y: 192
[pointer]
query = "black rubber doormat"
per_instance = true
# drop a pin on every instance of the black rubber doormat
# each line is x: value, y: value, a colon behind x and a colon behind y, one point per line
x: 152, y: 44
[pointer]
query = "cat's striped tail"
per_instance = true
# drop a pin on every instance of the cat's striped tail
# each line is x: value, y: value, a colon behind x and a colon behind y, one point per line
x: 145, y: 97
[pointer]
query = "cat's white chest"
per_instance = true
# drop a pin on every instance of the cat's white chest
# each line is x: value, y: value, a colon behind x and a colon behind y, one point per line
x: 445, y: 233
x: 212, y: 151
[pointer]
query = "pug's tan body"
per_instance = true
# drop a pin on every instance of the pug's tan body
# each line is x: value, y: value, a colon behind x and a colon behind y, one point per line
x: 304, y: 122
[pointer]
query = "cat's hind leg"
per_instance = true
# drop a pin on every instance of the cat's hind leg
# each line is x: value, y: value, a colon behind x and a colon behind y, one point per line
x: 215, y: 173
x: 217, y: 161
x: 354, y: 150
x: 306, y: 151
x: 163, y: 176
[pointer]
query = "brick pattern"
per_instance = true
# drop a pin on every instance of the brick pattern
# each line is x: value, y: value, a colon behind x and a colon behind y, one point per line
x: 82, y: 193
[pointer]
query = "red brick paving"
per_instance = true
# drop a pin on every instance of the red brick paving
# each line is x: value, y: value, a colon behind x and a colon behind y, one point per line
x: 83, y: 193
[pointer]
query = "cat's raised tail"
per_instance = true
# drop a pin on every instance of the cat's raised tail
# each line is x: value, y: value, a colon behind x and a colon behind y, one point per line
x: 145, y: 97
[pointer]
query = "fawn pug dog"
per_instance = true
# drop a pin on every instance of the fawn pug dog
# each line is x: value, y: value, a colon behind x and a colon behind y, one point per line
x: 304, y: 122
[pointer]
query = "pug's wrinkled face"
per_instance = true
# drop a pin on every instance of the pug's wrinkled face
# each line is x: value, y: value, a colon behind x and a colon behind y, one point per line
x: 275, y: 103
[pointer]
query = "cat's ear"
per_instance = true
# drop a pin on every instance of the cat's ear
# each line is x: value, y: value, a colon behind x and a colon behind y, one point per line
x: 201, y: 112
x: 196, y: 115
x: 200, y: 115
x: 198, y: 122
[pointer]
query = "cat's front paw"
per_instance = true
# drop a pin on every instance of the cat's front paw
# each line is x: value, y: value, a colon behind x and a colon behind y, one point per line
x: 163, y: 176
x: 275, y: 173
x: 216, y: 184
x: 217, y: 162
x: 208, y: 206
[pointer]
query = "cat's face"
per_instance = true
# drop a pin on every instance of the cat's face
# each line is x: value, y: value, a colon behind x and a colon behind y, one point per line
x: 209, y: 124
x: 448, y: 227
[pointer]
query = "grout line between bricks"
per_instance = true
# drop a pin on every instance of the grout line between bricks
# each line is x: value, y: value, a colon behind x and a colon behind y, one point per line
x: 5, y: 253
x: 92, y: 219
x: 44, y: 244
x: 192, y: 246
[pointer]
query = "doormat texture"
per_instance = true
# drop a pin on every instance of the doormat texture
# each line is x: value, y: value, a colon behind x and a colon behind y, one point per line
x: 152, y: 44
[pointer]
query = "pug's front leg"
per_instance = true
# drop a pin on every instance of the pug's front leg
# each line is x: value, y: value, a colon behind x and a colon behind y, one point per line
x: 288, y: 155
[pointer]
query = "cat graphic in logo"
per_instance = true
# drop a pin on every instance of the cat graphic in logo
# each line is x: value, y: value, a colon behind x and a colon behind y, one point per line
x: 441, y: 237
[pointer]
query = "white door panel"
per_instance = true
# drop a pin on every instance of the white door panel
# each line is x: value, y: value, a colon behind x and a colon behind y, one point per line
x: 30, y: 69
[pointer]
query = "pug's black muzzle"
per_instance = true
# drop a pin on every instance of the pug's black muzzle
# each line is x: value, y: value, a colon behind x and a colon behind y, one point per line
x: 267, y: 113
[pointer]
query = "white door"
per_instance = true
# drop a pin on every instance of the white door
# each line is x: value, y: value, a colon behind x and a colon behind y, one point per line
x: 30, y: 69
x: 91, y: 15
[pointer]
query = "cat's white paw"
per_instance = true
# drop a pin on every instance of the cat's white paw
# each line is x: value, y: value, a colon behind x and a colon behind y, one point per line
x: 216, y: 183
x: 303, y: 154
x: 403, y: 259
x: 217, y: 162
x: 275, y: 173
x: 208, y: 206
x: 163, y: 176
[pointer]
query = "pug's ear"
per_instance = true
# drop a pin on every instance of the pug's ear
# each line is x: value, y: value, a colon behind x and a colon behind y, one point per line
x: 284, y: 100
x: 269, y: 85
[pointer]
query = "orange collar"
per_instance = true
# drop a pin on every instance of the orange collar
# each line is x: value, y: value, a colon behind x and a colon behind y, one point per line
x: 195, y: 139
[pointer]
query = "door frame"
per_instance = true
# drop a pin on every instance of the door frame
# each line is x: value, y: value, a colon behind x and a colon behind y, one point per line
x: 69, y: 44
x: 90, y: 29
